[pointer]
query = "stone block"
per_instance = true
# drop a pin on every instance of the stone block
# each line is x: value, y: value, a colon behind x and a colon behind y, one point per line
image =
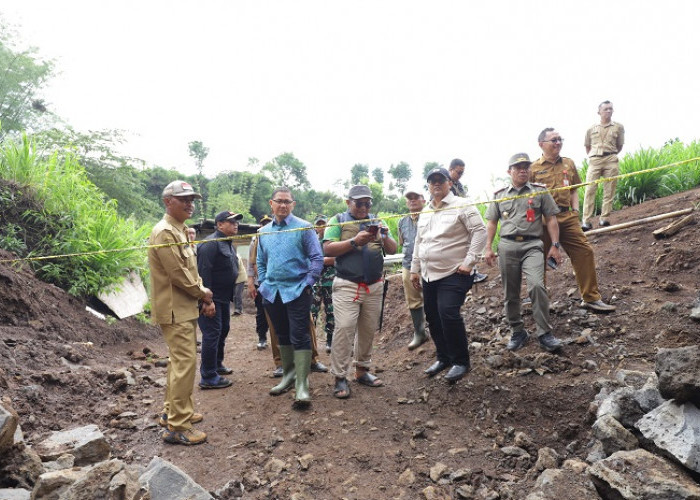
x: 679, y: 374
x: 87, y: 444
x: 163, y: 481
x: 639, y: 474
x: 675, y: 429
x: 613, y: 435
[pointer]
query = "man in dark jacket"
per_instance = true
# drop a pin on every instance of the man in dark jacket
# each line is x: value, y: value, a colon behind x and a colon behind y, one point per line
x: 218, y: 265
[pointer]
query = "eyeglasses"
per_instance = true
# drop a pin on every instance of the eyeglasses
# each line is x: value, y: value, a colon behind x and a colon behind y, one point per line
x: 362, y: 204
x: 284, y: 202
x: 556, y: 140
x: 437, y: 180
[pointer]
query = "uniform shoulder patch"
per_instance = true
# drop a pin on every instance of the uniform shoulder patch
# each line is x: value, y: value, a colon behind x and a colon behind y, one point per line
x: 500, y: 190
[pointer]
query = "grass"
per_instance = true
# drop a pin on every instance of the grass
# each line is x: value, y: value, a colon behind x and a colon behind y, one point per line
x: 76, y: 219
x: 643, y: 185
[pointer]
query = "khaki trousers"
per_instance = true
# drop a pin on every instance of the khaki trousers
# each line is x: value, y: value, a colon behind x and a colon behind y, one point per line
x: 356, y: 319
x: 414, y: 298
x: 515, y: 259
x: 600, y: 166
x: 579, y: 251
x: 274, y: 345
x: 182, y: 349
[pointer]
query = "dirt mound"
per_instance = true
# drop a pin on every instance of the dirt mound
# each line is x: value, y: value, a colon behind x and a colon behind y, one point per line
x: 358, y: 448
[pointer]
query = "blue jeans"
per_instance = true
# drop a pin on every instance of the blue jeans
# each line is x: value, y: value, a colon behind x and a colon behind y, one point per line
x: 291, y: 321
x: 214, y: 333
x: 442, y: 300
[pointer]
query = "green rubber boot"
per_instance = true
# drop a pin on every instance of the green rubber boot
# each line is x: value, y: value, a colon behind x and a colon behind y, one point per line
x: 419, y: 335
x: 302, y: 363
x: 287, y: 355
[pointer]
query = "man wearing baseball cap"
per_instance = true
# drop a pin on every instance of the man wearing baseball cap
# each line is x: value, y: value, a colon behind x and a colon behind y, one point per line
x: 408, y: 225
x: 358, y: 242
x: 450, y: 238
x: 521, y: 251
x: 176, y: 289
x: 218, y: 266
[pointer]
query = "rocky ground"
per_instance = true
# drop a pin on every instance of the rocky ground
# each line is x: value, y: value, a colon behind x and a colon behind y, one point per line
x: 60, y: 367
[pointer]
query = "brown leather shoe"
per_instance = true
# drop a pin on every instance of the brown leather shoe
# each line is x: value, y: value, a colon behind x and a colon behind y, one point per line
x: 188, y: 437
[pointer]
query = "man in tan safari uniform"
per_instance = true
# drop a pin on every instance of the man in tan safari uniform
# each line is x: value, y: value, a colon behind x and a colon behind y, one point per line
x: 176, y: 289
x: 603, y: 143
x: 558, y: 173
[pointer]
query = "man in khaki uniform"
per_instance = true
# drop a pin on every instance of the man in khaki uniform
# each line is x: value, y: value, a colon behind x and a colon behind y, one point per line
x: 520, y: 250
x: 603, y: 143
x: 176, y: 289
x: 555, y: 171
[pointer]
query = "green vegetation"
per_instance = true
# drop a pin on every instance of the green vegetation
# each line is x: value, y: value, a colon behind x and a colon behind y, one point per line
x: 649, y: 185
x: 65, y: 214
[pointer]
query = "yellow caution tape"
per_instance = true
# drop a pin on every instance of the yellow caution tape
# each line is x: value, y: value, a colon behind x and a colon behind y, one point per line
x: 249, y: 236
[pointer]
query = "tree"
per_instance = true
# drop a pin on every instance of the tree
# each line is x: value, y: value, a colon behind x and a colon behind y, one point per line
x: 430, y: 165
x: 253, y: 192
x: 401, y: 172
x: 378, y: 175
x: 199, y: 152
x: 287, y: 170
x: 359, y: 174
x: 22, y: 75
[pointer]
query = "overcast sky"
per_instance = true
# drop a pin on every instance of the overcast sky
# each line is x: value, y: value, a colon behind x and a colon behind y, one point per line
x: 375, y: 82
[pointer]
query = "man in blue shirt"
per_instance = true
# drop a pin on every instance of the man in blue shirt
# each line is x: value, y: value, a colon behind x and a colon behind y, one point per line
x: 289, y: 262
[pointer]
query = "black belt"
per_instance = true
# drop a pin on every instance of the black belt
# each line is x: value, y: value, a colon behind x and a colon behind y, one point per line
x: 563, y: 208
x: 608, y: 153
x: 521, y: 238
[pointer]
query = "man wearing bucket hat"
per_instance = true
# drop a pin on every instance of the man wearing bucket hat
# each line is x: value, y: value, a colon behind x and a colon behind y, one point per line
x: 408, y: 225
x: 176, y: 289
x: 521, y: 251
x: 217, y: 263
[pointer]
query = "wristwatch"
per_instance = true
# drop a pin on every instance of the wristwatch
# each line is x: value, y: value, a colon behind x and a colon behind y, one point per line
x: 353, y: 244
x: 556, y: 244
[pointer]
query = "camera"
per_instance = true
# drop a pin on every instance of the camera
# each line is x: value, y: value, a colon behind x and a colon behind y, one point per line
x: 372, y: 229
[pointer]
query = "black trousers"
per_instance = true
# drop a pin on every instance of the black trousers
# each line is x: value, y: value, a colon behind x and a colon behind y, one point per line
x: 442, y: 300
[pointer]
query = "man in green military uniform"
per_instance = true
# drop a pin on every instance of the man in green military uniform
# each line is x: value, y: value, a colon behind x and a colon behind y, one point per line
x: 521, y: 250
x: 323, y: 288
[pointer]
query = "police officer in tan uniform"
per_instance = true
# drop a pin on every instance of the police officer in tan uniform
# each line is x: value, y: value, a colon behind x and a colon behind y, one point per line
x: 557, y: 172
x: 176, y: 289
x: 521, y: 251
x: 603, y: 143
